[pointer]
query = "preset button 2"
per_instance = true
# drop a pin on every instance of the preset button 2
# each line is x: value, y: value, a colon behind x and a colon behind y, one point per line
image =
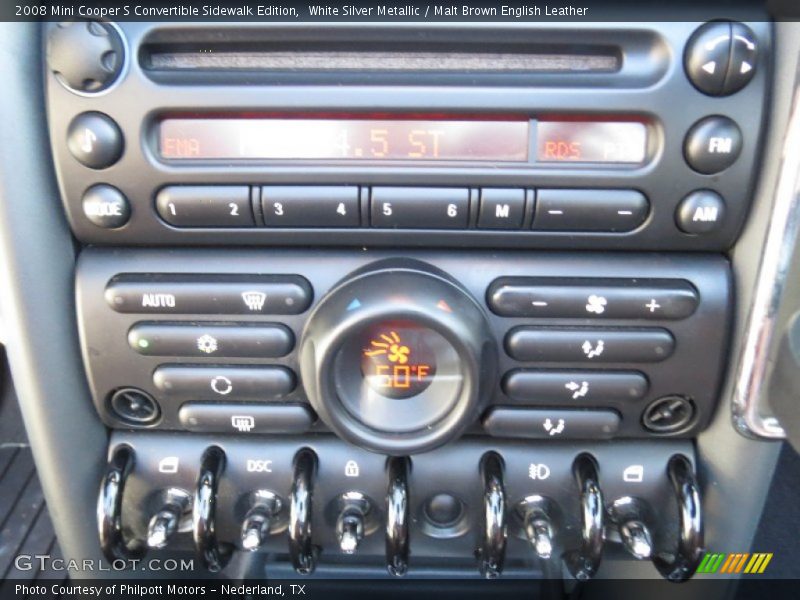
x: 310, y: 206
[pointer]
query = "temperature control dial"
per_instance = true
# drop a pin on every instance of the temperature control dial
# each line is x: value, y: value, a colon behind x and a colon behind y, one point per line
x: 398, y: 359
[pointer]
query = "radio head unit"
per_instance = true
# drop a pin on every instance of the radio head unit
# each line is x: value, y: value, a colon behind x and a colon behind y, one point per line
x: 533, y: 142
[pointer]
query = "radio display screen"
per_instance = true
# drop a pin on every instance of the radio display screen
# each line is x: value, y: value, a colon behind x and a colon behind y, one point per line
x: 591, y: 142
x: 346, y: 139
x: 452, y: 138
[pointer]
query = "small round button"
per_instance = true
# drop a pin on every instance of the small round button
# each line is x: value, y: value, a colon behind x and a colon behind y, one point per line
x: 712, y: 145
x: 706, y: 57
x: 702, y: 211
x: 443, y: 510
x: 134, y: 406
x: 106, y: 207
x: 94, y: 140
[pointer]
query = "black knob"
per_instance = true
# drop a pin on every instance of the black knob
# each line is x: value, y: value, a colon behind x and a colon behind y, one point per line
x: 398, y: 359
x: 86, y: 56
x: 721, y: 57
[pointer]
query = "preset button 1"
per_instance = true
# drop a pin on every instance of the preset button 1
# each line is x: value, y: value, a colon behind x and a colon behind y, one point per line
x: 206, y: 206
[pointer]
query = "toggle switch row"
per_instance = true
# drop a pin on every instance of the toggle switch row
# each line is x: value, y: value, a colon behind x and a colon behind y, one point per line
x: 179, y: 510
x: 560, y: 508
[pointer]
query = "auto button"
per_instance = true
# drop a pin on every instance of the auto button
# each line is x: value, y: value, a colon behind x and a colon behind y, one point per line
x: 209, y: 294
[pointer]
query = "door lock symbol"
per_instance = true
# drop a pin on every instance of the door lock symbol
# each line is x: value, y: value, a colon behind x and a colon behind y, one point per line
x: 351, y: 469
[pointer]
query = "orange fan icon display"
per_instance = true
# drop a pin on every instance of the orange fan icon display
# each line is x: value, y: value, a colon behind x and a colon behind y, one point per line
x: 390, y: 345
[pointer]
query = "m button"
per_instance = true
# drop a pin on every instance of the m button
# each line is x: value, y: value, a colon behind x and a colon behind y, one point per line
x: 501, y: 208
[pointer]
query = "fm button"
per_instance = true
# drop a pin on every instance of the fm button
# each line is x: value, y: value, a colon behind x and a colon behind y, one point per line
x: 712, y: 145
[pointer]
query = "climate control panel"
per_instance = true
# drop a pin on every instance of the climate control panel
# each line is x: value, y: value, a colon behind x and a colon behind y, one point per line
x: 402, y: 352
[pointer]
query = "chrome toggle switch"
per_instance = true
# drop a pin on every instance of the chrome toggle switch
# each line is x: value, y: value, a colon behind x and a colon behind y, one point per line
x: 354, y: 507
x: 535, y: 512
x: 265, y: 506
x: 631, y: 517
x: 167, y: 521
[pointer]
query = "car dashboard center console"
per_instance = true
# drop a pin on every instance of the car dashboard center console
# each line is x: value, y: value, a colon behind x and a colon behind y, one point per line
x: 380, y: 296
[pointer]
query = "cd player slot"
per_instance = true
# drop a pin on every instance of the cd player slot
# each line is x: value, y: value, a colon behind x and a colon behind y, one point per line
x: 422, y: 57
x: 333, y: 59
